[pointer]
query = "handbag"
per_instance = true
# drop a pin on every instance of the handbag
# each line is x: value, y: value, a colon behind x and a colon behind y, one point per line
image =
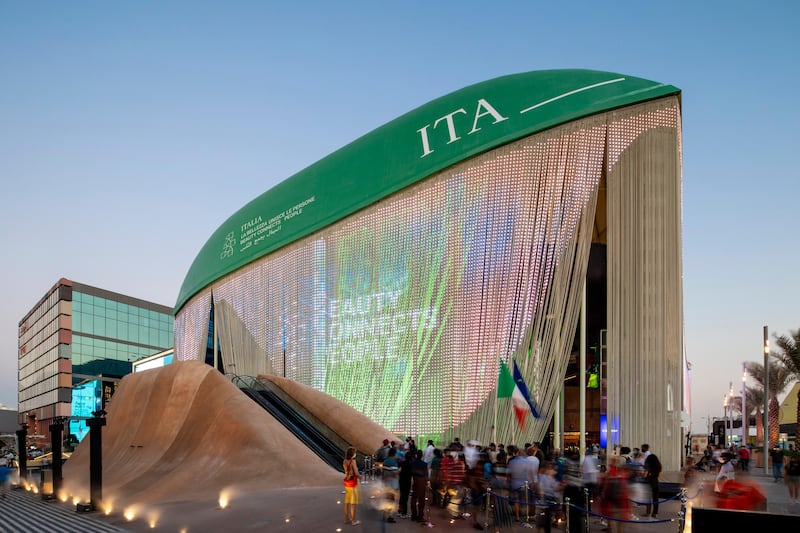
x: 350, y: 480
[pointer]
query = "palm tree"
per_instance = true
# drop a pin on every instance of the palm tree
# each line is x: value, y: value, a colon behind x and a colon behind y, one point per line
x: 779, y: 379
x: 755, y: 396
x: 754, y: 401
x: 789, y: 355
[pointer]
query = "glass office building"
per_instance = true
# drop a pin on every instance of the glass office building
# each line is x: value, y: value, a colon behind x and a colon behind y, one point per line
x: 74, y: 347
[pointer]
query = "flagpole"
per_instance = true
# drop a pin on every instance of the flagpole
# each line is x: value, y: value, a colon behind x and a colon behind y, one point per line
x: 557, y: 423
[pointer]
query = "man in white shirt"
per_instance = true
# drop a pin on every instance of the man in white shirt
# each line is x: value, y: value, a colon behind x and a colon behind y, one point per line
x: 427, y: 455
x: 471, y: 453
x: 645, y: 452
x: 590, y: 474
x: 725, y: 473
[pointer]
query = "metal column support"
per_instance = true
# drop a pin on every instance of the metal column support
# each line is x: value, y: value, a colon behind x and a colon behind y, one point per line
x: 582, y: 376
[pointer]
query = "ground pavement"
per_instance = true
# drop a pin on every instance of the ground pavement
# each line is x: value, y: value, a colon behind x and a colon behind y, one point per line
x: 293, y: 510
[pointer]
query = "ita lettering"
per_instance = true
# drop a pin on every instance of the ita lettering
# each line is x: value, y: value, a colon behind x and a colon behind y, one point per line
x: 430, y: 133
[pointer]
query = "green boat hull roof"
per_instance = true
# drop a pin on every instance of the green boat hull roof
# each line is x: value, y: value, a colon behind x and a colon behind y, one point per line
x: 405, y: 151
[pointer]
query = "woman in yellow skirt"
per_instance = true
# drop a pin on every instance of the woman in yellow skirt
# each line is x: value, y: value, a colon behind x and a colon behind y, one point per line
x: 352, y: 493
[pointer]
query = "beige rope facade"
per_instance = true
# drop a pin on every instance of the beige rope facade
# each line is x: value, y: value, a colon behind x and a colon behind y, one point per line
x: 645, y: 303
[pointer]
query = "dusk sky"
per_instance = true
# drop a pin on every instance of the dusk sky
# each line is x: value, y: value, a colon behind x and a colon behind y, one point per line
x: 129, y: 131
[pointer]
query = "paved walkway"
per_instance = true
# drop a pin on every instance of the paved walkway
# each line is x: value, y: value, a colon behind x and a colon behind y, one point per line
x: 25, y: 512
x: 293, y: 510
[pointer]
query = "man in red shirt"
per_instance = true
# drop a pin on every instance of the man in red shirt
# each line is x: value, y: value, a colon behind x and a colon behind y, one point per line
x: 452, y: 473
x: 744, y: 458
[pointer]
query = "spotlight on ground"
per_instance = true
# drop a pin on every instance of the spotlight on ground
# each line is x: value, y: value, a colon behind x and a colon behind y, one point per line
x: 224, y: 499
x: 129, y: 513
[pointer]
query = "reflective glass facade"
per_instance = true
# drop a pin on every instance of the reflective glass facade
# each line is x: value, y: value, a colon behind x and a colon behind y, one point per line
x: 108, y: 335
x: 76, y: 344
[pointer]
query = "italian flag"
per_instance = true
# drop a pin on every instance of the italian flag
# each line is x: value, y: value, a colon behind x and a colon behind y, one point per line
x: 513, y: 387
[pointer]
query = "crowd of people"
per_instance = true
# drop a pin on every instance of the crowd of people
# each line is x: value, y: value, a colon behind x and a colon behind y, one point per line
x: 523, y: 483
x: 740, y: 492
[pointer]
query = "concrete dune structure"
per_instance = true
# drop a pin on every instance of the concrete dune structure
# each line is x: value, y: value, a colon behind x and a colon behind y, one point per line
x: 399, y: 272
x: 184, y: 431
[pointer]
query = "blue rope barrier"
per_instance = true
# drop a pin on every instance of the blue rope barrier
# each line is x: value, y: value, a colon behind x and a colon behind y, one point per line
x: 658, y: 501
x: 473, y: 500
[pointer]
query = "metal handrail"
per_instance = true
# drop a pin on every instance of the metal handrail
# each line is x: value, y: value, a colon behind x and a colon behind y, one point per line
x: 295, y: 418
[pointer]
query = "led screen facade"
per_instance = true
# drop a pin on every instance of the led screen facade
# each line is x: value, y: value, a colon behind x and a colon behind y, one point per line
x: 405, y: 307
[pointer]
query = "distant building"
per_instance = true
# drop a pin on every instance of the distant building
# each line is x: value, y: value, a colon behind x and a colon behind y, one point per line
x: 154, y: 361
x: 8, y: 420
x: 75, y: 345
x: 788, y: 417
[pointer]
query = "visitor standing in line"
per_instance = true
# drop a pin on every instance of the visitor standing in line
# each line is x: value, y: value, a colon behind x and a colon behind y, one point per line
x: 652, y: 471
x: 352, y: 492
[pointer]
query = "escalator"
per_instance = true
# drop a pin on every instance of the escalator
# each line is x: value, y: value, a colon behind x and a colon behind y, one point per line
x: 314, y: 433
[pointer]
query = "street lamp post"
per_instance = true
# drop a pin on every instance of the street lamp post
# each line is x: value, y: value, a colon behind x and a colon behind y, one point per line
x: 22, y: 449
x: 766, y: 400
x: 745, y: 418
x: 95, y: 424
x: 56, y: 432
x: 725, y: 408
x: 730, y: 406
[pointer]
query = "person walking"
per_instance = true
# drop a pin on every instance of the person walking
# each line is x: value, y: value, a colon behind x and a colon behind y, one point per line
x: 777, y: 463
x: 352, y: 493
x: 476, y: 483
x: 725, y: 472
x: 744, y: 458
x: 793, y: 478
x: 5, y: 472
x: 550, y: 491
x: 503, y: 514
x: 590, y: 475
x: 573, y: 490
x: 391, y: 480
x: 452, y: 472
x: 614, y: 497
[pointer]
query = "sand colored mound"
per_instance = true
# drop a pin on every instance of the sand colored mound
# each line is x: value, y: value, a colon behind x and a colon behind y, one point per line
x: 359, y: 430
x: 185, y: 432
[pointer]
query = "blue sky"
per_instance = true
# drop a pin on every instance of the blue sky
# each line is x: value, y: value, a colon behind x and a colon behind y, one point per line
x: 130, y: 130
